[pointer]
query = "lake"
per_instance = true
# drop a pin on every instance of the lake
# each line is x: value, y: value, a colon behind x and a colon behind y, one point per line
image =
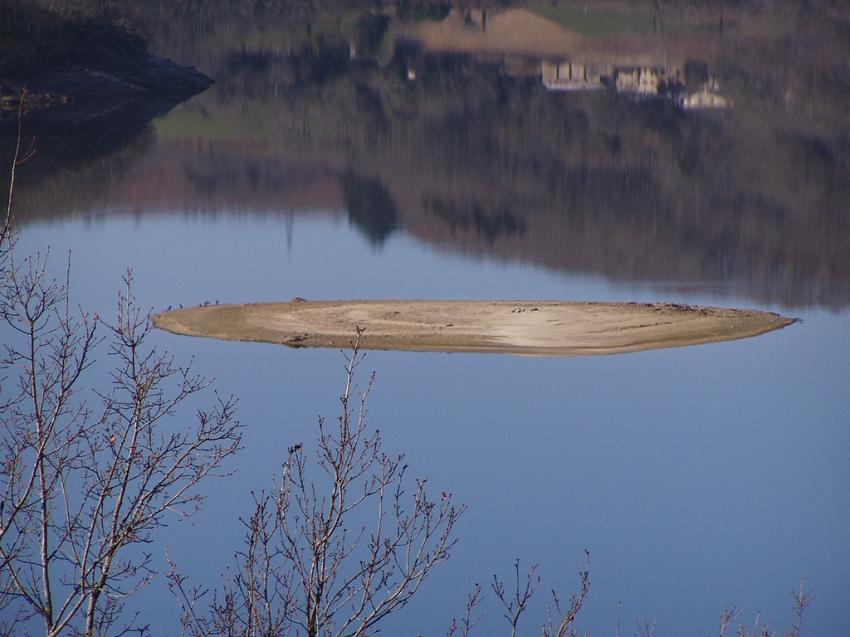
x: 442, y: 159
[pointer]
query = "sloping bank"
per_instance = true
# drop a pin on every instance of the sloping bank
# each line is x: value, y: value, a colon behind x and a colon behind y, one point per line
x: 541, y: 328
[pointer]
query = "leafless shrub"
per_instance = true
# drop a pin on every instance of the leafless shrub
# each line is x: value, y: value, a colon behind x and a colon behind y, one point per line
x: 85, y: 481
x: 727, y: 617
x: 337, y: 545
x: 647, y: 628
x: 801, y: 597
x: 471, y: 616
x: 516, y: 602
x: 560, y: 622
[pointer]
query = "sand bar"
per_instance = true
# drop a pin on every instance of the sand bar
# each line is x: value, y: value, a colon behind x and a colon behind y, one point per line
x: 543, y: 328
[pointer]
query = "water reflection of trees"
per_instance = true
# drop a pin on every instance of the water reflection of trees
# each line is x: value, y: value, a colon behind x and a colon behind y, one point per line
x: 81, y: 151
x: 370, y: 207
x: 474, y: 156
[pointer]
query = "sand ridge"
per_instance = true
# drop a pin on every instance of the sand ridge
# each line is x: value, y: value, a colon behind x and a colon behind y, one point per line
x: 554, y: 328
x: 515, y: 30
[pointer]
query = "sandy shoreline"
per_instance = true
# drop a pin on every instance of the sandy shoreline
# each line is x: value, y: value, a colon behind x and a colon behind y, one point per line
x: 553, y: 328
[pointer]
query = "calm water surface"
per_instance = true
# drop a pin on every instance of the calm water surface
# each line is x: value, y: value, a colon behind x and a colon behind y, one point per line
x: 697, y: 477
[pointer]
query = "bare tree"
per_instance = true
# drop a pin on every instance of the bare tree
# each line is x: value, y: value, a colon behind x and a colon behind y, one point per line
x: 559, y: 622
x: 516, y: 602
x: 337, y: 545
x: 22, y: 155
x: 471, y: 615
x: 88, y: 474
x: 801, y: 597
x: 727, y: 617
x: 646, y: 627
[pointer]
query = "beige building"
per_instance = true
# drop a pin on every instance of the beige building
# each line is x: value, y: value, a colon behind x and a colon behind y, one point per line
x: 643, y: 80
x: 571, y: 76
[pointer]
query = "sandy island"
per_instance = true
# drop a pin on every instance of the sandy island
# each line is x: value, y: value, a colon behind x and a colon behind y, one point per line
x: 543, y: 328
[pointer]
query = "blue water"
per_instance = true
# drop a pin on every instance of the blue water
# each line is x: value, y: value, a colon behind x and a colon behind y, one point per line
x: 696, y: 477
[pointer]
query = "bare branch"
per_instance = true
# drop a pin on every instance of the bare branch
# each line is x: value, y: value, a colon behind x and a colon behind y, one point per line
x: 338, y: 544
x: 802, y: 598
x: 561, y: 623
x: 516, y: 603
x: 471, y: 615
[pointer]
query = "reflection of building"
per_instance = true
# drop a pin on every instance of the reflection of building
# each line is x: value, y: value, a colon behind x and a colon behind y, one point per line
x: 704, y: 99
x: 707, y: 97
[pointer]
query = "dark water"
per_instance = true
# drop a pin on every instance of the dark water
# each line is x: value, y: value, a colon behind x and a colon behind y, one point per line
x: 336, y: 159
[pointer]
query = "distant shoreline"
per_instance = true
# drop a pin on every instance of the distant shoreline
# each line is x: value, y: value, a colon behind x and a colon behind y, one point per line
x: 144, y: 76
x: 536, y: 328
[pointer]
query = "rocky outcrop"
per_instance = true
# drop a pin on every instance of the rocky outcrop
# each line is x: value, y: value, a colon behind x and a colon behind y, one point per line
x: 61, y: 57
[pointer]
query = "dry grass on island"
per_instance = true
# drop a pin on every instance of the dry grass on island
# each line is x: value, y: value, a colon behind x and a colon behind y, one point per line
x: 542, y: 328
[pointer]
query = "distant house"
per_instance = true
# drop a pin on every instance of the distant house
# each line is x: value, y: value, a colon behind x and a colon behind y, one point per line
x: 571, y: 76
x: 642, y: 80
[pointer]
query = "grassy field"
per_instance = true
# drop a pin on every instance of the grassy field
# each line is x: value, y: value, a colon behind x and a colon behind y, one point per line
x: 595, y: 22
x: 181, y: 124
